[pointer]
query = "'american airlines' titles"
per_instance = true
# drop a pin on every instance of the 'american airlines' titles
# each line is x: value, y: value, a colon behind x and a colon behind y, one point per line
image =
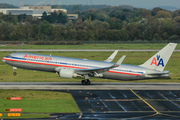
x: 38, y: 57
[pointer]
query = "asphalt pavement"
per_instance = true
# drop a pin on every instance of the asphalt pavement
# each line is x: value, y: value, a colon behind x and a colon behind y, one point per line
x: 93, y: 86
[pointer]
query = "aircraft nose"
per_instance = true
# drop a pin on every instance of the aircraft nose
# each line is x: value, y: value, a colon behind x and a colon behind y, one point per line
x: 3, y: 60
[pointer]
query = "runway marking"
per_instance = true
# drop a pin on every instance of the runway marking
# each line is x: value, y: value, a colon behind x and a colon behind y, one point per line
x: 169, y: 115
x: 144, y: 101
x: 117, y: 102
x: 168, y: 100
x: 144, y: 111
x: 103, y: 103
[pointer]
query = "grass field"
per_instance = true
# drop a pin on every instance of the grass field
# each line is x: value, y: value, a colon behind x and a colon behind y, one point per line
x: 51, y: 102
x: 134, y: 58
x: 40, y: 102
x: 92, y: 46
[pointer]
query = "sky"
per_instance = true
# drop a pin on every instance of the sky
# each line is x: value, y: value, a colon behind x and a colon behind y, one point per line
x: 136, y: 3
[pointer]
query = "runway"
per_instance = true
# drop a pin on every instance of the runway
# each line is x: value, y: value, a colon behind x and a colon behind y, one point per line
x: 93, y: 86
x: 81, y: 50
x: 135, y: 101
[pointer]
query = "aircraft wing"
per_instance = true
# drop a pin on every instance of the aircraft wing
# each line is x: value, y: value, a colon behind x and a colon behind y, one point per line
x: 99, y: 70
x: 110, y: 58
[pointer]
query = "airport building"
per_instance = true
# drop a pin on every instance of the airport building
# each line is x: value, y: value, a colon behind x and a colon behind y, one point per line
x: 36, y: 11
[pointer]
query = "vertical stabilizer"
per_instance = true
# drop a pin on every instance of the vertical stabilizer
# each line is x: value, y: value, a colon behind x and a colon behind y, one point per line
x: 160, y: 59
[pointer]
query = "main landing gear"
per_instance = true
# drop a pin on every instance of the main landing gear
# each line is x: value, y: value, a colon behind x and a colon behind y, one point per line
x: 86, y: 81
x: 14, y: 69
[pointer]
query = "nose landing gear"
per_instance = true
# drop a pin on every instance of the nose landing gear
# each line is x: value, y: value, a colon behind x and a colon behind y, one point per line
x: 14, y: 69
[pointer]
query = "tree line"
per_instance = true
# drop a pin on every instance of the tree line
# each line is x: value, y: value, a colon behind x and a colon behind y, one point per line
x: 118, y: 23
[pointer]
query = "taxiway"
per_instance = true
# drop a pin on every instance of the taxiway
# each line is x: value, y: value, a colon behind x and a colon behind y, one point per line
x: 93, y: 86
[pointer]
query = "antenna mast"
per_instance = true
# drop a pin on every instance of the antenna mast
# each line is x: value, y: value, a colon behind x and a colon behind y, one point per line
x: 52, y: 2
x: 21, y: 4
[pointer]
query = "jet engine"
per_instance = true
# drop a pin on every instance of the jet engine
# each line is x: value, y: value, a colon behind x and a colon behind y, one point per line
x: 67, y: 73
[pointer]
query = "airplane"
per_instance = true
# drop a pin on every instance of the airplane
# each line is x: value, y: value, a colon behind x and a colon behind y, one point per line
x: 72, y: 67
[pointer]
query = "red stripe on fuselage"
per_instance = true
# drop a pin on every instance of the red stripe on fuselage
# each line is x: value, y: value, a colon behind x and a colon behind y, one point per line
x: 125, y: 73
x: 32, y: 62
x: 41, y: 63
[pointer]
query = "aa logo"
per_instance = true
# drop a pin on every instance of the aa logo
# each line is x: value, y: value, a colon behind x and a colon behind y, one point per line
x: 157, y: 61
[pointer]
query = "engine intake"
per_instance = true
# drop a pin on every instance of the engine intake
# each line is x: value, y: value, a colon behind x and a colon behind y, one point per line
x: 67, y: 73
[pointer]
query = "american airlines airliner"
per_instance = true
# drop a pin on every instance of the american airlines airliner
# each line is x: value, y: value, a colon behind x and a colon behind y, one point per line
x: 72, y: 67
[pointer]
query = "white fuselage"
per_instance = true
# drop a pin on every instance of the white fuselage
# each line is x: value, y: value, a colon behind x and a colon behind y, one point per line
x: 50, y: 63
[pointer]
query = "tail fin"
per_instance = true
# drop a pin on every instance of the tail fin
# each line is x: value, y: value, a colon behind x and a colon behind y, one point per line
x: 160, y: 59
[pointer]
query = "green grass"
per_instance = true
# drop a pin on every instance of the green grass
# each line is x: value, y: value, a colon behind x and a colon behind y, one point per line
x: 92, y: 46
x: 134, y: 58
x: 40, y: 102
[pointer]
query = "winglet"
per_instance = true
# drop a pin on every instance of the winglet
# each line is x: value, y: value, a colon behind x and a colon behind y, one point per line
x: 111, y: 57
x: 118, y: 63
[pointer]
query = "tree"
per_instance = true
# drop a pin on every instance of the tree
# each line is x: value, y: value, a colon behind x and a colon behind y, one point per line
x: 174, y: 37
x: 118, y: 14
x: 163, y: 14
x: 99, y: 28
x: 73, y: 34
x: 58, y: 32
x: 102, y: 17
x: 44, y: 30
x: 156, y: 10
x: 81, y: 35
x: 168, y: 26
x: 6, y: 29
x: 124, y: 35
x: 44, y: 15
x: 62, y: 18
x: 151, y: 28
x: 146, y: 13
x: 89, y: 14
x: 113, y: 35
x: 177, y: 18
x: 79, y: 25
x: 19, y: 33
x: 115, y: 23
x: 34, y: 31
x: 176, y: 13
x: 90, y: 35
x: 76, y: 7
x: 133, y: 31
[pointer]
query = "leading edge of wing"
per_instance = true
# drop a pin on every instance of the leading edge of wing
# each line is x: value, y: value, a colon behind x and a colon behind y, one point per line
x: 100, y: 70
x: 111, y: 57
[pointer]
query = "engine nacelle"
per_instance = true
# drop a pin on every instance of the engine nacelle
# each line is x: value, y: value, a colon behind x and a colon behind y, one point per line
x: 67, y: 73
x: 98, y: 75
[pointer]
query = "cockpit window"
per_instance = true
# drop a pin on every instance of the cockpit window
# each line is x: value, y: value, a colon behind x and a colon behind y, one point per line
x: 10, y: 56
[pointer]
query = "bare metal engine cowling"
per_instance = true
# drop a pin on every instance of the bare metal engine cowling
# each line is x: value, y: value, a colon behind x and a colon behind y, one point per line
x: 67, y: 73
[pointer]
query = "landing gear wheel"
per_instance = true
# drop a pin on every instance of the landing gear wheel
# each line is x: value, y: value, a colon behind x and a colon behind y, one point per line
x: 88, y: 82
x: 14, y: 73
x: 83, y: 82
